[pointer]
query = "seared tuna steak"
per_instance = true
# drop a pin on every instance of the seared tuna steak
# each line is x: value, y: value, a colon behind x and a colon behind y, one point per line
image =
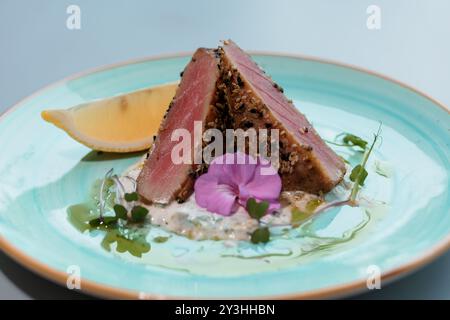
x: 254, y: 100
x: 161, y: 180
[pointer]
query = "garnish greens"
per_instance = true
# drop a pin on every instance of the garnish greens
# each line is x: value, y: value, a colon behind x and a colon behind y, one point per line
x: 359, y: 172
x: 260, y: 235
x: 101, y: 198
x: 105, y: 222
x: 122, y: 224
x: 131, y: 241
x: 137, y: 213
x: 120, y: 211
x: 350, y: 140
x: 160, y: 239
x: 358, y: 175
x: 129, y: 197
x: 257, y: 210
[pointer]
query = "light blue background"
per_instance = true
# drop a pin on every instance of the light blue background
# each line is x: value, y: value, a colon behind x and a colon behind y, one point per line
x: 36, y: 49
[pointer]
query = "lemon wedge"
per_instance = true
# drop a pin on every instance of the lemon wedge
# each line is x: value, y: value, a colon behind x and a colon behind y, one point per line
x: 124, y: 123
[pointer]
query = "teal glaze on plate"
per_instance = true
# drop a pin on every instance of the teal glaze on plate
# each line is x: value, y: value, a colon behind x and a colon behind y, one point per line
x: 43, y: 172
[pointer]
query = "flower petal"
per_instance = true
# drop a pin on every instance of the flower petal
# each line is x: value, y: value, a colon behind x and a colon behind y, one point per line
x: 217, y: 168
x: 262, y: 187
x: 215, y: 197
x: 240, y: 167
x: 266, y: 183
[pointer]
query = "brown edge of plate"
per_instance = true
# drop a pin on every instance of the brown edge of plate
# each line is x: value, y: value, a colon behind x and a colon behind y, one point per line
x: 105, y: 291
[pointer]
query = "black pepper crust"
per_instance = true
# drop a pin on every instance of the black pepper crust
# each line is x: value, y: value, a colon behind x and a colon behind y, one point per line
x: 236, y: 106
x: 298, y: 169
x: 215, y: 118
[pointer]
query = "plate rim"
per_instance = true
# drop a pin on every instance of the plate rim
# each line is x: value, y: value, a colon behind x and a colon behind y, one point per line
x: 106, y: 291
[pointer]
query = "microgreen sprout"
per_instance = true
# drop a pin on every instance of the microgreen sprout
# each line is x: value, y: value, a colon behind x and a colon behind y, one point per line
x: 357, y: 176
x: 120, y: 189
x: 124, y: 209
x: 101, y: 197
x: 350, y: 141
x: 257, y: 210
x: 120, y: 211
x: 359, y: 172
x: 138, y: 213
x: 129, y: 197
x: 260, y: 235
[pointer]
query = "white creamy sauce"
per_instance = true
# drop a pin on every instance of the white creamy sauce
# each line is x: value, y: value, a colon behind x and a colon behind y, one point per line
x: 190, y: 220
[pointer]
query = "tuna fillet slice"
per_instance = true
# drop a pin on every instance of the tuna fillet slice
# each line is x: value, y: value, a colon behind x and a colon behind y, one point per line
x: 161, y: 180
x: 254, y: 100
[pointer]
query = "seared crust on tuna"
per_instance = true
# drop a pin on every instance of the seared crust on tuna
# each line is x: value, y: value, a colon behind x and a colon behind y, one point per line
x: 161, y: 179
x: 226, y: 89
x: 254, y: 100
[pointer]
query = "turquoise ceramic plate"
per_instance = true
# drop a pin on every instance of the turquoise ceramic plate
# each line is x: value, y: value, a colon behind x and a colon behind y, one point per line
x: 43, y: 172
